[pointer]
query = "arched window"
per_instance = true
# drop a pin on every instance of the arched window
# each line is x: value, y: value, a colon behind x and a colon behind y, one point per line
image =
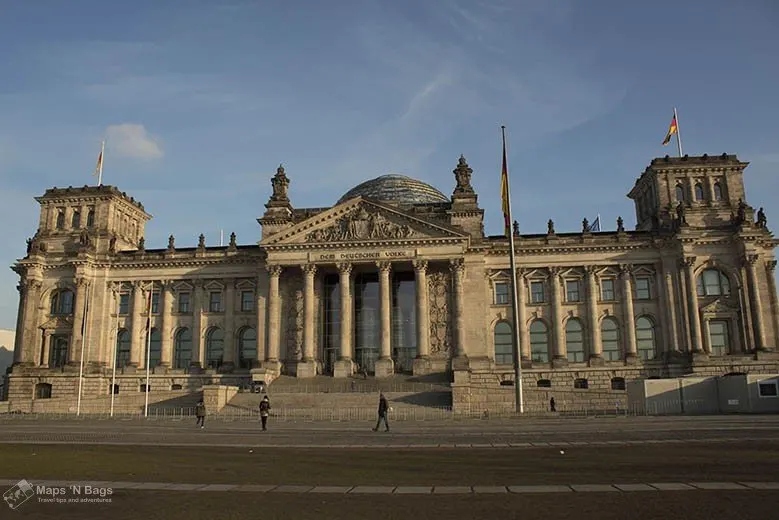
x: 713, y: 282
x: 717, y: 191
x: 609, y: 336
x: 215, y: 340
x: 504, y: 352
x: 574, y: 341
x: 91, y: 219
x: 62, y: 302
x: 183, y: 349
x: 645, y: 338
x: 155, y: 348
x: 122, y: 348
x: 539, y: 341
x: 60, y: 219
x: 247, y: 347
x: 698, y: 191
x: 679, y: 193
x: 75, y: 220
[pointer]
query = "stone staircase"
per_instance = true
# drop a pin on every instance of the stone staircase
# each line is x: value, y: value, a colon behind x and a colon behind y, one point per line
x: 174, y: 402
x: 326, y: 398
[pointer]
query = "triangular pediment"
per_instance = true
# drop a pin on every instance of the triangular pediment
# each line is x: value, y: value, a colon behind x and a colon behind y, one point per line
x: 362, y: 220
x: 719, y: 305
x: 58, y: 322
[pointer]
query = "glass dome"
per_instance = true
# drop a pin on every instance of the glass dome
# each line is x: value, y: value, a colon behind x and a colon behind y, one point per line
x: 396, y: 188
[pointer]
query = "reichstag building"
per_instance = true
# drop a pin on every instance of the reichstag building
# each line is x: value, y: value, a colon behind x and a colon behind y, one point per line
x: 398, y: 278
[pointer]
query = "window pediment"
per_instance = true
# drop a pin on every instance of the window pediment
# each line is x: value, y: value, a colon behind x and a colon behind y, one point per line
x: 214, y: 285
x: 245, y: 285
x: 183, y: 286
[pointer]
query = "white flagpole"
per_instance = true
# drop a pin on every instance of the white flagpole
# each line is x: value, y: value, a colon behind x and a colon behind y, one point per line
x: 520, y: 403
x: 148, y: 351
x: 221, y: 237
x: 113, y: 377
x: 83, y: 343
x: 678, y: 133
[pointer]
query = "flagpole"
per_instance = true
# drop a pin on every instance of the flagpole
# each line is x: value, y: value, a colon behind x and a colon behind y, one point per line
x: 83, y: 343
x: 100, y: 171
x: 678, y: 133
x: 148, y: 351
x: 519, y: 402
x: 113, y: 377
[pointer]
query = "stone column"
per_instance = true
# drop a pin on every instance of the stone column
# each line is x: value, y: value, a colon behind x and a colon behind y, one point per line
x: 46, y: 348
x: 747, y: 329
x: 631, y: 352
x: 198, y: 352
x: 692, y: 304
x: 307, y: 366
x: 344, y: 367
x: 422, y: 361
x: 757, y: 304
x: 19, y: 332
x: 596, y: 347
x: 136, y: 327
x: 27, y: 339
x: 166, y: 327
x: 74, y: 347
x: 228, y: 357
x: 524, y: 343
x: 770, y: 269
x: 261, y: 310
x: 706, y: 336
x: 274, y: 314
x: 670, y: 307
x: 460, y: 361
x: 384, y: 365
x: 560, y: 358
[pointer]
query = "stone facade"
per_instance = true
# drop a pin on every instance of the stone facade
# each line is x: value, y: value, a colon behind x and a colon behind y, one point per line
x: 402, y: 284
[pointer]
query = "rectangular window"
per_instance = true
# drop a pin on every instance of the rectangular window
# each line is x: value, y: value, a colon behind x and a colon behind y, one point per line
x: 124, y: 303
x: 642, y: 288
x: 572, y: 291
x: 215, y: 302
x: 247, y: 301
x: 537, y: 292
x: 155, y: 302
x: 768, y: 389
x: 718, y: 337
x: 607, y: 290
x: 184, y: 302
x: 501, y: 293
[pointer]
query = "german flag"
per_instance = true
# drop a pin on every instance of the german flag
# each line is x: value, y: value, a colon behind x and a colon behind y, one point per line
x: 674, y: 128
x: 504, y: 192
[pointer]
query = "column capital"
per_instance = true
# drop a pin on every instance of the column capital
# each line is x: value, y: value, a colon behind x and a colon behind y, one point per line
x: 308, y: 269
x: 591, y: 270
x: 626, y: 269
x: 457, y: 265
x: 384, y: 267
x: 420, y: 265
x: 750, y: 259
x: 81, y: 282
x: 554, y: 271
x: 345, y: 268
x: 771, y: 265
x: 689, y: 261
x: 274, y: 269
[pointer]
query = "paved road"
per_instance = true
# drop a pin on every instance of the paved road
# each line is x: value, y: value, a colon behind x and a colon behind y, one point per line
x: 505, y: 433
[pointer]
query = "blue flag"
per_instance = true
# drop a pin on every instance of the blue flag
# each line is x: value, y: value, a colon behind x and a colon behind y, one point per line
x: 595, y: 226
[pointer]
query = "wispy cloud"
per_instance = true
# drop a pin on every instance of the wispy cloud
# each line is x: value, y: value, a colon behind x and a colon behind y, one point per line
x: 132, y: 140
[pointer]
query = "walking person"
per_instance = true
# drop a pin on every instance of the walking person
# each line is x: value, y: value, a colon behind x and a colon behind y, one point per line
x: 552, y: 407
x: 200, y: 413
x: 264, y: 412
x: 382, y: 413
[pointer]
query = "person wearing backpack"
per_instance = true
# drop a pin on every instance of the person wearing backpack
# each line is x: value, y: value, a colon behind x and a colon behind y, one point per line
x: 200, y: 413
x: 264, y: 412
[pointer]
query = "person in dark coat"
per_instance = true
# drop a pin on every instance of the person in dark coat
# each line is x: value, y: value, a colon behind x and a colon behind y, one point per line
x: 264, y: 412
x: 382, y: 413
x: 552, y: 407
x: 200, y: 413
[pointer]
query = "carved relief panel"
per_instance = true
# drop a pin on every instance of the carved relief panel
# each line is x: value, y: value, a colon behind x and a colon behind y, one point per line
x: 292, y: 310
x: 441, y: 319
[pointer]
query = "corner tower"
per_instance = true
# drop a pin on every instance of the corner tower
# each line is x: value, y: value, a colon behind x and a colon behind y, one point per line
x: 703, y: 191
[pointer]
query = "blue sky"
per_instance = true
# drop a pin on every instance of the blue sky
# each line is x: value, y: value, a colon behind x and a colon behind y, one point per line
x: 201, y: 100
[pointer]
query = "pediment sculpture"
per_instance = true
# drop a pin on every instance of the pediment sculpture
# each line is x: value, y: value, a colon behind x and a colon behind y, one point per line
x: 361, y: 225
